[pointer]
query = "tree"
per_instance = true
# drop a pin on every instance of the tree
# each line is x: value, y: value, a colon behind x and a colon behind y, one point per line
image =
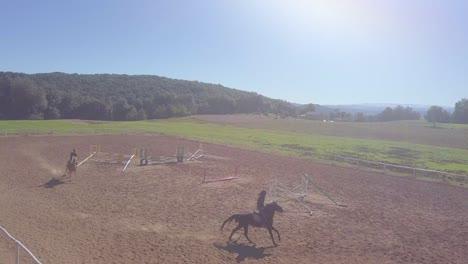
x: 304, y: 109
x: 54, y: 99
x: 92, y: 109
x: 250, y: 103
x: 132, y: 114
x: 437, y: 114
x: 68, y: 104
x: 386, y: 115
x: 141, y: 115
x: 360, y: 117
x: 398, y: 113
x: 460, y: 114
x: 23, y: 99
x: 51, y: 113
x: 120, y: 110
x: 220, y: 105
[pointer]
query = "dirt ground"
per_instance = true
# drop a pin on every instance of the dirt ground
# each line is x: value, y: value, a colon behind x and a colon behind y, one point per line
x: 164, y: 214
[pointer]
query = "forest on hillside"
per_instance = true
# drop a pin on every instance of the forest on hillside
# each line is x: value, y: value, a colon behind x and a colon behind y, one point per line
x: 124, y: 97
x: 138, y: 97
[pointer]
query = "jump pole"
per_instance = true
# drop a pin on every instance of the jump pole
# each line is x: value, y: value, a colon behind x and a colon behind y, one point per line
x: 19, y: 244
x: 193, y: 155
x: 217, y: 180
x: 301, y: 203
x: 331, y: 199
x: 92, y: 154
x: 288, y: 192
x: 128, y: 162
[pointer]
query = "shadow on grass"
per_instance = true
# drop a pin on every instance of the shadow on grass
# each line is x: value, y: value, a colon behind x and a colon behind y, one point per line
x: 243, y: 251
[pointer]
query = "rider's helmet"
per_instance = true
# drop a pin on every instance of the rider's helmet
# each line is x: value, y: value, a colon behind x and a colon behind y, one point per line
x: 74, y: 150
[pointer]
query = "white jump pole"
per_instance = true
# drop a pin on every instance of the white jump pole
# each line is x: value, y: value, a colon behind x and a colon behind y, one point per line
x: 86, y: 159
x: 19, y: 244
x: 301, y: 203
x: 193, y: 155
x: 287, y: 191
x: 328, y: 196
x: 128, y: 162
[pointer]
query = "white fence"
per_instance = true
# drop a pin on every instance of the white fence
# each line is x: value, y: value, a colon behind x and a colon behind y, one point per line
x: 20, y: 246
x: 387, y: 167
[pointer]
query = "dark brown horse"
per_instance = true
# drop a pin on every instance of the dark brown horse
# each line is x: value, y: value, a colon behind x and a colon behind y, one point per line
x: 252, y: 219
x: 71, y: 167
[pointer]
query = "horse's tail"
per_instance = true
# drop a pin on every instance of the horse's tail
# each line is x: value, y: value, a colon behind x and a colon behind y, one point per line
x: 229, y: 220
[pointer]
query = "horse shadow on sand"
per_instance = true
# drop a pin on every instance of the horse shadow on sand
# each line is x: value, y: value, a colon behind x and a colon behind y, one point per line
x: 244, y: 251
x: 55, y: 182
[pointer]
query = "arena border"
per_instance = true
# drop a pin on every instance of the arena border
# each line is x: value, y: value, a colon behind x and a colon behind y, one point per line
x: 19, y: 246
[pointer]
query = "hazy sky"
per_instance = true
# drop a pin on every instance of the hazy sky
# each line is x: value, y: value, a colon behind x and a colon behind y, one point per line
x: 319, y: 51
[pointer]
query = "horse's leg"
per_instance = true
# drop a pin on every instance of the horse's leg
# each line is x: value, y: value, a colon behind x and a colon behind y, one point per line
x: 279, y: 237
x: 246, y: 232
x: 234, y: 230
x: 271, y: 235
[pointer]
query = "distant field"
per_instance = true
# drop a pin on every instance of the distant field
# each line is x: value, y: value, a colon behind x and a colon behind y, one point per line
x: 418, y: 132
x: 275, y: 140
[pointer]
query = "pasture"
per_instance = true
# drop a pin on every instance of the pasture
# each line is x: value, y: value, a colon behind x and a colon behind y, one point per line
x: 163, y: 214
x: 414, y: 132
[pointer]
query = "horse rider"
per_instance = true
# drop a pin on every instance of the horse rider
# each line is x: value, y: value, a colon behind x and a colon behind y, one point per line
x: 72, y: 154
x: 260, y: 206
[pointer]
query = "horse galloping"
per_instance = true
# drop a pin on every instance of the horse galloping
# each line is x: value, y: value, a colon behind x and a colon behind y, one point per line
x: 251, y: 219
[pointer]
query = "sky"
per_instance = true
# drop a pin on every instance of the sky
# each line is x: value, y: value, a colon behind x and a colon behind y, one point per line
x: 302, y: 51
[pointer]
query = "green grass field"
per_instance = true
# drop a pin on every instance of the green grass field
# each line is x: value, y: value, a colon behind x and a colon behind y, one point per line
x: 299, y: 144
x: 416, y: 132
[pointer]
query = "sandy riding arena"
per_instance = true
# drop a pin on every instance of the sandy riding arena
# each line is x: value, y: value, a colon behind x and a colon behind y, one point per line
x: 164, y: 214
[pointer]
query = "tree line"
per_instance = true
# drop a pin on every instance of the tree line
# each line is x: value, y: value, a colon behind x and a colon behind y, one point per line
x: 435, y: 114
x: 124, y: 97
x: 388, y: 114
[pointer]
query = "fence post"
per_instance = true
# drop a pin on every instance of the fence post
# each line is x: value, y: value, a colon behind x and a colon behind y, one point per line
x: 17, y: 253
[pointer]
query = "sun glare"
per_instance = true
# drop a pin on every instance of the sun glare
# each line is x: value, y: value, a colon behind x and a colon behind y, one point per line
x: 330, y: 16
